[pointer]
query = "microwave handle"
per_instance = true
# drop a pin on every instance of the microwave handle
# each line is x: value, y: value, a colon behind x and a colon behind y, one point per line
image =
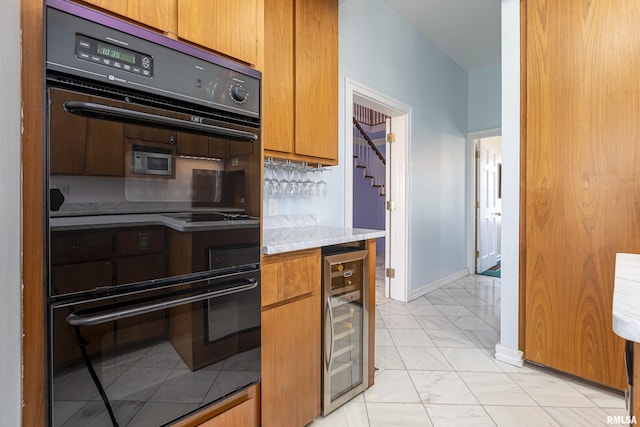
x: 75, y: 320
x: 107, y: 112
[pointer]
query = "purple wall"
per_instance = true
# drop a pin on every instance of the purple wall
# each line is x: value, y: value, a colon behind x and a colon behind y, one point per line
x: 368, y: 205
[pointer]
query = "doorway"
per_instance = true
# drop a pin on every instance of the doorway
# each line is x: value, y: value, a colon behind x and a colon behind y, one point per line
x: 485, y: 202
x: 395, y: 267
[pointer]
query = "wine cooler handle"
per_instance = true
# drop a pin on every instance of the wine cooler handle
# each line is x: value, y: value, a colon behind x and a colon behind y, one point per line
x: 328, y: 310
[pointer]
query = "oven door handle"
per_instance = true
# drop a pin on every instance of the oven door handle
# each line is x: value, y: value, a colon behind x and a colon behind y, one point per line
x: 107, y: 112
x: 78, y: 320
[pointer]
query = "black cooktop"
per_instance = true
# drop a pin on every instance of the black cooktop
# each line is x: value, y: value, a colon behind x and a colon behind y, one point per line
x: 208, y: 216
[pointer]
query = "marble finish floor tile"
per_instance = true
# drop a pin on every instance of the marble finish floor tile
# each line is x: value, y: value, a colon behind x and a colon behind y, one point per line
x: 387, y: 357
x: 442, y: 387
x: 436, y: 366
x: 453, y: 338
x: 424, y: 358
x: 581, y: 417
x: 459, y: 415
x: 383, y: 337
x: 400, y: 322
x: 496, y: 389
x: 551, y: 391
x: 351, y: 414
x: 469, y: 360
x: 393, y: 307
x: 471, y: 323
x: 453, y: 310
x: 520, y: 416
x: 410, y: 338
x: 397, y: 415
x: 435, y: 323
x: 392, y: 386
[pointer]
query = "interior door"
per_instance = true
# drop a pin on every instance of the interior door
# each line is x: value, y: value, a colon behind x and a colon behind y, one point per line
x: 581, y: 179
x: 487, y: 208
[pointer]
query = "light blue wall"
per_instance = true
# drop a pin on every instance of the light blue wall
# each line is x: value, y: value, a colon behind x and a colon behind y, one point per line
x: 485, y: 98
x: 379, y: 49
x: 10, y: 250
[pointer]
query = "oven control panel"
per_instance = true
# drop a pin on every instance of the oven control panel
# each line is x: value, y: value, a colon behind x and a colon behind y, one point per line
x: 87, y: 44
x: 114, y: 56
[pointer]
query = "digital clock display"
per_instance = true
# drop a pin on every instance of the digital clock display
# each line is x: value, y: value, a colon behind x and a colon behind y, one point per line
x: 116, y: 53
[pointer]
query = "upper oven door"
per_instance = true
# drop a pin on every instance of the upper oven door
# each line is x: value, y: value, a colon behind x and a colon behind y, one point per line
x: 96, y: 150
x: 106, y: 219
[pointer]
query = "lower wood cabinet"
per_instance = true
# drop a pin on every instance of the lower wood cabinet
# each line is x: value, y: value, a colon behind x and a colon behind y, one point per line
x: 291, y: 339
x: 240, y: 410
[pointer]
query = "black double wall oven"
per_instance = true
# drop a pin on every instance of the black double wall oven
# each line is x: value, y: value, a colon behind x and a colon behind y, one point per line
x: 153, y: 229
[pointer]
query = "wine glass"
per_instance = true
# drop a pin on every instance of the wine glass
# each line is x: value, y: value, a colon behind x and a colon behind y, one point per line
x: 321, y: 185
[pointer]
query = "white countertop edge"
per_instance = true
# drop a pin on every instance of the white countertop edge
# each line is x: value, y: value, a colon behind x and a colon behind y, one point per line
x: 626, y: 297
x: 346, y: 235
x: 108, y: 221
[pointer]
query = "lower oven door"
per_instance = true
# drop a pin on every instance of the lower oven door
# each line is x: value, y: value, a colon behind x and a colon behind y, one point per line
x: 151, y: 357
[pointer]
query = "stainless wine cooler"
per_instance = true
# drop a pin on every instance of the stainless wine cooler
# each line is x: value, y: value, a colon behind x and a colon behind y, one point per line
x: 345, y: 324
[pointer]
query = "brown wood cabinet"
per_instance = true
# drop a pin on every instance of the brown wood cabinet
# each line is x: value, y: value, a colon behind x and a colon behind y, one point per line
x: 230, y: 27
x: 202, y: 146
x: 580, y: 183
x: 300, y: 91
x: 291, y: 330
x: 80, y: 146
x: 240, y: 410
x: 157, y: 14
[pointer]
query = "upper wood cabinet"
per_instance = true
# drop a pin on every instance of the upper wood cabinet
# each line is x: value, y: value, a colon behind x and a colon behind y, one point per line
x: 230, y: 27
x: 79, y: 146
x: 300, y: 88
x: 316, y: 83
x: 157, y: 14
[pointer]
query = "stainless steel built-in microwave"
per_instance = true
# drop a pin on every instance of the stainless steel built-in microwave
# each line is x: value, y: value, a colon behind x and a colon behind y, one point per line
x: 149, y: 163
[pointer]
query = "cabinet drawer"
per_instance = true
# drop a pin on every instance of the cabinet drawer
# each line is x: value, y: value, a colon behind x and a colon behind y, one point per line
x: 140, y: 242
x: 290, y: 276
x: 78, y: 247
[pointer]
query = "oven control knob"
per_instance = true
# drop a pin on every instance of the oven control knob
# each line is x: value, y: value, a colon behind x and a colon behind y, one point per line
x: 238, y: 94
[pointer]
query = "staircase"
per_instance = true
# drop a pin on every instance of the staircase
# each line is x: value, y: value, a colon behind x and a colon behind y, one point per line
x: 368, y: 158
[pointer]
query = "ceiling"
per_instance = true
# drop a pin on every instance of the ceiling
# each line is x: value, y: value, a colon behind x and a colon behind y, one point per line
x: 466, y: 30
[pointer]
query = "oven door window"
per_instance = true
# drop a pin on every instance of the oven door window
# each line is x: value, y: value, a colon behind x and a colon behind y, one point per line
x: 131, y: 359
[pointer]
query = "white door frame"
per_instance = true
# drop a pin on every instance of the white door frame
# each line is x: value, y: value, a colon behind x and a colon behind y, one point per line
x: 398, y: 287
x: 471, y: 192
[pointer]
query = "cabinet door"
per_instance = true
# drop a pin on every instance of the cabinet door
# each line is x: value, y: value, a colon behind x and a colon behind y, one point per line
x: 278, y: 91
x: 157, y: 14
x: 242, y: 415
x: 291, y: 363
x: 226, y: 26
x: 290, y: 276
x: 192, y: 145
x: 581, y: 181
x: 104, y: 146
x: 316, y: 83
x: 66, y: 135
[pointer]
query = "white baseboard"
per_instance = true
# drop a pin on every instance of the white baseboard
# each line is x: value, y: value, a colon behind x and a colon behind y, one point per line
x: 424, y: 289
x: 509, y: 355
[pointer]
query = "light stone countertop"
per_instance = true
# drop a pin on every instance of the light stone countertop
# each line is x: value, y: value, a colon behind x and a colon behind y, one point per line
x: 280, y: 240
x: 64, y: 223
x: 626, y: 297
